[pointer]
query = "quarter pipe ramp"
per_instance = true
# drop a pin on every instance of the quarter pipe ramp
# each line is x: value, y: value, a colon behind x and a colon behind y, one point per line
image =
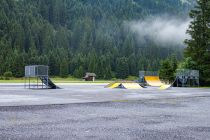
x: 48, y: 83
x: 153, y: 81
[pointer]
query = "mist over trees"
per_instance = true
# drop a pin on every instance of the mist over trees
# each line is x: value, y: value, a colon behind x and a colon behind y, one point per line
x: 76, y: 36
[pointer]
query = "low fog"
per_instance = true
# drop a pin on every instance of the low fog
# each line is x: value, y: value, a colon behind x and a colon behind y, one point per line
x: 160, y: 30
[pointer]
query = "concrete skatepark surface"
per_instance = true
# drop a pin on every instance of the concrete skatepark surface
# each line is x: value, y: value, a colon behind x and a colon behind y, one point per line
x: 92, y: 112
x: 16, y: 95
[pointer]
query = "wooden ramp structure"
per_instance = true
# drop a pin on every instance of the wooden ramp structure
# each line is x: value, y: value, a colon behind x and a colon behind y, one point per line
x: 124, y: 85
x: 113, y: 85
x: 156, y: 82
x: 131, y: 86
x: 165, y: 87
x: 153, y: 81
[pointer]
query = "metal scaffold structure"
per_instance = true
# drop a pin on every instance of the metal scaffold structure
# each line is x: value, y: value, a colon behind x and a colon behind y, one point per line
x: 187, y: 78
x: 36, y: 72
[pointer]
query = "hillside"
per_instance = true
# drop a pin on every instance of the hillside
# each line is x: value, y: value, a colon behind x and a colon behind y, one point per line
x: 75, y: 36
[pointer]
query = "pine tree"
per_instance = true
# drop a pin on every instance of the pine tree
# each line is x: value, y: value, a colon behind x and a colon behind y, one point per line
x: 188, y: 63
x: 133, y: 65
x: 92, y: 64
x: 198, y: 47
x: 79, y: 73
x: 64, y: 68
x: 174, y: 63
x: 18, y: 64
x: 122, y: 68
x: 166, y: 71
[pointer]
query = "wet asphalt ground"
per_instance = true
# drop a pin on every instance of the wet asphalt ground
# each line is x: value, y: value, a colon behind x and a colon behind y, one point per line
x: 183, y: 118
x: 16, y: 95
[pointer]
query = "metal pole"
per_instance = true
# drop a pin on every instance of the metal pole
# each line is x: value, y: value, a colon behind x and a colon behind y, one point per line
x: 37, y: 82
x: 182, y: 82
x: 42, y: 83
x: 24, y: 82
x: 29, y: 83
x: 177, y: 80
x: 47, y: 81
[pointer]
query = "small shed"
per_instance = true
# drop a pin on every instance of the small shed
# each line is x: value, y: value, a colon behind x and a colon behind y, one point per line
x: 90, y: 77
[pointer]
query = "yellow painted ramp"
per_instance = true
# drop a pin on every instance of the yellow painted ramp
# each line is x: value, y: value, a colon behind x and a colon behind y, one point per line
x: 114, y: 85
x: 109, y: 85
x: 131, y: 85
x: 165, y: 87
x: 153, y: 81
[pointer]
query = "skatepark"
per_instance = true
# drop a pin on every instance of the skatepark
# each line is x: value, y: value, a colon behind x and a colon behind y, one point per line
x: 44, y: 92
x: 16, y: 95
x: 43, y: 110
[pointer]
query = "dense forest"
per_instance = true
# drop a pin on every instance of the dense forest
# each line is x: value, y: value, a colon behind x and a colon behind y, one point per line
x: 76, y: 36
x: 197, y: 52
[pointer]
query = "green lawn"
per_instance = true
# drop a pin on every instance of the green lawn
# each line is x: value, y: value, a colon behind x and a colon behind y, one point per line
x: 55, y: 79
x: 205, y: 87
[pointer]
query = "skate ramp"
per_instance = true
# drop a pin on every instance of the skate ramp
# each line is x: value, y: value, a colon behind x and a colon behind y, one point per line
x: 48, y: 83
x: 165, y: 87
x: 113, y: 85
x: 131, y: 86
x: 153, y: 81
x: 124, y: 84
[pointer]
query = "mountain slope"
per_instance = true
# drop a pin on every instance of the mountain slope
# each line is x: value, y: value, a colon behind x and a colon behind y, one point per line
x: 85, y: 35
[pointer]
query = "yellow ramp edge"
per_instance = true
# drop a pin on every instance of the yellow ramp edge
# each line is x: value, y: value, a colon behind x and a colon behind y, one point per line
x: 165, y: 87
x: 125, y: 84
x: 109, y: 85
x: 131, y: 85
x: 115, y: 85
x: 153, y: 81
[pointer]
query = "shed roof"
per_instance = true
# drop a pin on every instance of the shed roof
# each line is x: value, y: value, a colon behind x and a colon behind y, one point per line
x: 88, y: 74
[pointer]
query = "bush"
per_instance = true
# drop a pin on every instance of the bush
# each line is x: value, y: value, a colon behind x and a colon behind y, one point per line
x: 8, y: 75
x: 132, y: 78
x: 114, y: 79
